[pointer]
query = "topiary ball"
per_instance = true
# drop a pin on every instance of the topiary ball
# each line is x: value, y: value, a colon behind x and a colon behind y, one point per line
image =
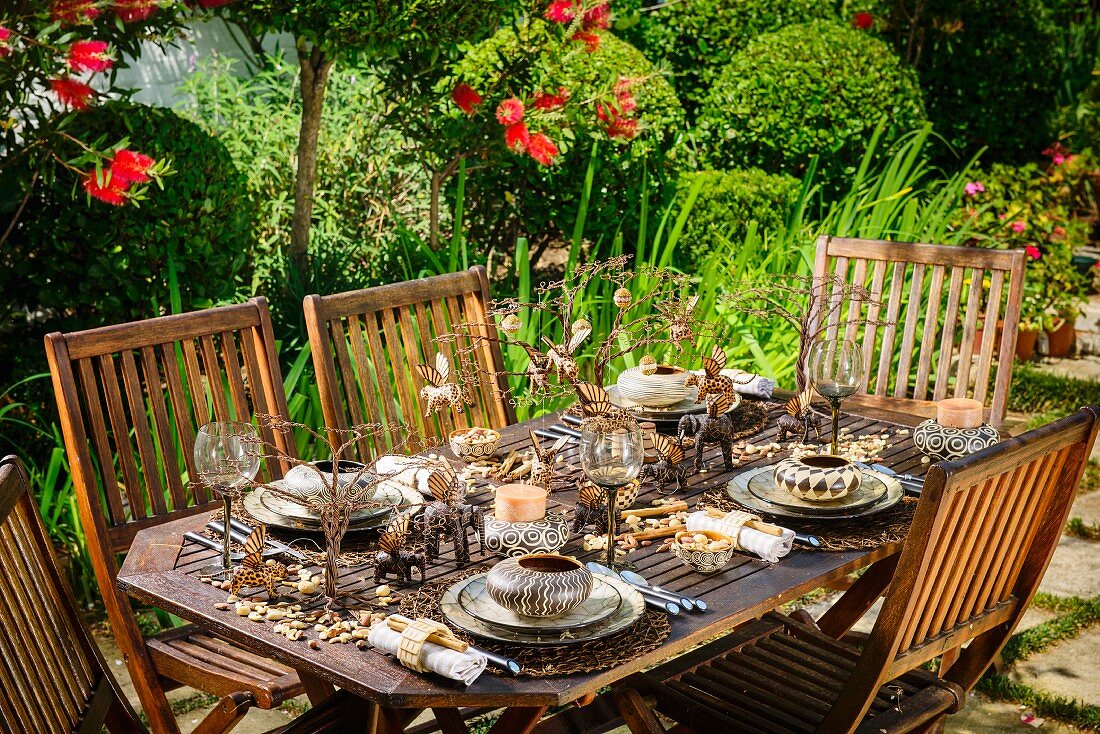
x: 812, y: 89
x: 698, y: 38
x: 88, y: 263
x: 727, y: 202
x: 990, y: 72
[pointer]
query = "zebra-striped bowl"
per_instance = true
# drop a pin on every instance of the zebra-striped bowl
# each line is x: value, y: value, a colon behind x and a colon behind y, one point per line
x: 539, y: 584
x: 663, y: 388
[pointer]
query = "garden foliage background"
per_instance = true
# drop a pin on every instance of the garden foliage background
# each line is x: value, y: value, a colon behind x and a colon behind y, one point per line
x: 709, y: 136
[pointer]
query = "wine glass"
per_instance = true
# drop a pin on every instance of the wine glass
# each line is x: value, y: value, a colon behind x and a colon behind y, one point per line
x: 227, y: 458
x: 836, y: 367
x: 612, y: 455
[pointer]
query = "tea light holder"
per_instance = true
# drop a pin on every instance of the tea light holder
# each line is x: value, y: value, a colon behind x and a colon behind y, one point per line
x: 959, y: 413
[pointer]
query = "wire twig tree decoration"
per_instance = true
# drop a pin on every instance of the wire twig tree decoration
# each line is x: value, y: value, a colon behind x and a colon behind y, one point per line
x: 814, y: 305
x: 650, y: 307
x: 335, y: 496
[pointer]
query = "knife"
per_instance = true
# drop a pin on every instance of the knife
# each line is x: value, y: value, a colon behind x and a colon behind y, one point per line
x: 211, y: 544
x: 689, y: 603
x: 240, y: 536
x: 550, y: 434
x: 911, y: 485
x: 573, y: 420
x: 811, y: 540
x: 657, y: 601
x: 499, y: 660
x: 565, y: 430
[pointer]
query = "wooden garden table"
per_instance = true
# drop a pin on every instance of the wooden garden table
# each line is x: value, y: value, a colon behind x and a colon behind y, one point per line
x: 158, y: 573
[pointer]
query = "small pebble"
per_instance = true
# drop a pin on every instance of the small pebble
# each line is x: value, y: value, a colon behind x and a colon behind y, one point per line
x: 293, y: 635
x: 256, y: 617
x: 222, y: 606
x: 383, y: 590
x: 362, y: 644
x: 314, y: 645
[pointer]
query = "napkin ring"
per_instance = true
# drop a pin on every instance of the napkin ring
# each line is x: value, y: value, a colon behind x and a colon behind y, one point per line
x: 732, y: 522
x: 413, y: 638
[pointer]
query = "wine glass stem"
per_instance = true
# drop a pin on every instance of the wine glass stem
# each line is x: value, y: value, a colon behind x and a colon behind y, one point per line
x: 612, y: 525
x: 227, y: 506
x: 835, y: 404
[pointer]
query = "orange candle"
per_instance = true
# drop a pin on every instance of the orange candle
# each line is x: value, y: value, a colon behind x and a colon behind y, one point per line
x: 959, y: 413
x: 520, y: 503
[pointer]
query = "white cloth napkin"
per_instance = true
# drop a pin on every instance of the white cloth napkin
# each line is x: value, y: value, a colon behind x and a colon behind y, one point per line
x: 751, y: 384
x: 461, y: 666
x: 769, y: 547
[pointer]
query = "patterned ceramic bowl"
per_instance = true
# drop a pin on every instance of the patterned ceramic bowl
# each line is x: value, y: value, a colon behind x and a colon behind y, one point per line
x: 663, y: 388
x: 942, y: 442
x: 818, y: 478
x: 704, y: 561
x: 539, y: 585
x: 482, y: 443
x: 517, y: 539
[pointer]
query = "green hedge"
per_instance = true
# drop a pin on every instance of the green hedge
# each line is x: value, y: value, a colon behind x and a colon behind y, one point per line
x: 726, y: 204
x: 1034, y: 391
x: 85, y: 263
x: 698, y: 38
x: 809, y: 89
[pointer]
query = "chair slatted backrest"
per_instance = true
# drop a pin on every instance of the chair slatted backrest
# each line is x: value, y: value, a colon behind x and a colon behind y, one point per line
x: 366, y: 344
x: 52, y: 677
x: 133, y: 396
x: 982, y: 536
x: 922, y: 338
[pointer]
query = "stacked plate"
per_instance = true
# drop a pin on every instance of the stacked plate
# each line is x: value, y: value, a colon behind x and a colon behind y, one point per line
x: 665, y: 418
x: 756, y: 489
x: 613, y: 606
x: 277, y: 510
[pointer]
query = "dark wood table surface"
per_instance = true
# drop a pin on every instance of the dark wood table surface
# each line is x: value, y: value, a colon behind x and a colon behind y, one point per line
x: 158, y: 573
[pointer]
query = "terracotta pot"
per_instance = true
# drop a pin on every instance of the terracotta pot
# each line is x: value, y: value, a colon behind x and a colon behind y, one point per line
x: 1060, y: 342
x: 1025, y: 344
x: 539, y: 585
x: 818, y: 478
x: 979, y: 334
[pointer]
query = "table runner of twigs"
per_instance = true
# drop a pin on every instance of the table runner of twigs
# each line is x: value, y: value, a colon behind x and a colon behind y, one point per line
x: 645, y: 635
x: 889, y: 526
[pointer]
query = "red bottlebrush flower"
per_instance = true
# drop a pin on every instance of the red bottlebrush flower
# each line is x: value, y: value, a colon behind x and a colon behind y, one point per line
x: 561, y: 11
x: 72, y: 93
x: 5, y: 42
x: 130, y: 11
x: 466, y: 98
x: 510, y: 111
x: 542, y: 149
x: 90, y: 56
x: 74, y: 12
x: 598, y: 16
x: 551, y: 102
x: 516, y: 137
x: 111, y: 191
x: 591, y: 40
x: 625, y: 128
x: 863, y: 21
x: 129, y: 166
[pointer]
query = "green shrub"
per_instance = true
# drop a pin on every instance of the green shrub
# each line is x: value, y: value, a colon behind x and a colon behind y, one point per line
x: 514, y: 195
x: 75, y: 263
x: 990, y: 74
x: 813, y: 89
x: 728, y: 201
x: 698, y: 38
x: 1034, y: 391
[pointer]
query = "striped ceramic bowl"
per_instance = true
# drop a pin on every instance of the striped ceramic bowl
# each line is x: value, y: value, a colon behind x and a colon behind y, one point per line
x: 663, y: 388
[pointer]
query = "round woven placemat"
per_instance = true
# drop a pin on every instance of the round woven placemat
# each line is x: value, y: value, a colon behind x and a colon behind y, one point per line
x: 645, y: 635
x: 890, y: 526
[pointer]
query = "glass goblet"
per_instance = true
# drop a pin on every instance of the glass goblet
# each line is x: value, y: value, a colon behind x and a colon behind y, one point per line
x: 836, y: 367
x: 611, y: 454
x: 227, y: 458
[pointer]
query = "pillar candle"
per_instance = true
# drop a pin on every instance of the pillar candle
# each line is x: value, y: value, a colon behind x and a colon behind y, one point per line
x: 959, y: 413
x: 520, y: 503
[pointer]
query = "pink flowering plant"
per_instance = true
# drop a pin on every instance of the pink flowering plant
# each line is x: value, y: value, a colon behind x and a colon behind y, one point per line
x: 1032, y: 208
x: 57, y: 60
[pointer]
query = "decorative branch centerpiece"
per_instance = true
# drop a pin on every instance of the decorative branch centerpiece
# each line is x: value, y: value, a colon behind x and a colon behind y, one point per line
x: 335, y: 489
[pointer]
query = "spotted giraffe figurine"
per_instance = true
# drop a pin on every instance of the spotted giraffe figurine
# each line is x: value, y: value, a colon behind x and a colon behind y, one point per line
x: 712, y: 381
x: 253, y: 572
x: 440, y: 392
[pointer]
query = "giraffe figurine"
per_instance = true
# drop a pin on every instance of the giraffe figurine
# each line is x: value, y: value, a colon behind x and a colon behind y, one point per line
x: 253, y: 572
x: 440, y: 392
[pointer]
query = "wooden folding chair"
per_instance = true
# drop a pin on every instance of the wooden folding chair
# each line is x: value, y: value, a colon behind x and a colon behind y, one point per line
x: 366, y: 344
x: 935, y: 298
x: 131, y: 398
x: 983, y: 534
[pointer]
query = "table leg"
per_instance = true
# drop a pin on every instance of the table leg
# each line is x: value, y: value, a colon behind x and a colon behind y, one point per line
x: 518, y: 720
x: 394, y: 721
x: 317, y: 689
x: 450, y: 721
x: 639, y: 717
x: 859, y: 598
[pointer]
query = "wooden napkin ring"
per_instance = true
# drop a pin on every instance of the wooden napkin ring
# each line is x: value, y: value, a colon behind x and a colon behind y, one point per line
x: 413, y: 638
x: 731, y: 523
